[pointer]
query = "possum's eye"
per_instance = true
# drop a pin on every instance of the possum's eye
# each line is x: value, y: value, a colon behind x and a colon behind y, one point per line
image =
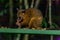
x: 19, y: 18
x: 23, y: 12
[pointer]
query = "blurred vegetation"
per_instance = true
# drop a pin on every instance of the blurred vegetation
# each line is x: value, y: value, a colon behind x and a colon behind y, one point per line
x: 3, y: 7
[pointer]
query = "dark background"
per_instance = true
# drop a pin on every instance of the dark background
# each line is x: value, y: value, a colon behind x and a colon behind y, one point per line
x: 4, y: 11
x: 5, y: 14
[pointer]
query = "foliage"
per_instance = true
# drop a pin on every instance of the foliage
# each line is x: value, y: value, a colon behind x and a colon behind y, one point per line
x: 3, y: 7
x: 45, y: 24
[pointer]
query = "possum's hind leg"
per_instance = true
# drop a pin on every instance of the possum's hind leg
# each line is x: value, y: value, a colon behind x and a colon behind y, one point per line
x: 36, y: 22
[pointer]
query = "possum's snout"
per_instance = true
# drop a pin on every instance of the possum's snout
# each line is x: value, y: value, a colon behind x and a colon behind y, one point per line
x: 19, y: 18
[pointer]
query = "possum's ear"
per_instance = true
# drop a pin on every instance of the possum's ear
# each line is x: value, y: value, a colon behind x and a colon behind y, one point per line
x: 20, y: 11
x: 17, y: 9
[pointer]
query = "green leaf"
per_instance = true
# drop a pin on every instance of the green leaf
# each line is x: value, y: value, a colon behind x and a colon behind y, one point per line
x: 2, y: 0
x: 55, y: 25
x: 1, y: 13
x: 44, y: 23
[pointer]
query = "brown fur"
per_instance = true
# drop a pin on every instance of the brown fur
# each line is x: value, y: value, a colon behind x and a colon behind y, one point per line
x: 32, y: 18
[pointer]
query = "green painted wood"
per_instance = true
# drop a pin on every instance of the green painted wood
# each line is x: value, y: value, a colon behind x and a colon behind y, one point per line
x: 30, y: 31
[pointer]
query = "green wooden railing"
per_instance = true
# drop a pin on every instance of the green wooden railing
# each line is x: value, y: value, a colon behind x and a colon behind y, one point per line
x: 29, y: 31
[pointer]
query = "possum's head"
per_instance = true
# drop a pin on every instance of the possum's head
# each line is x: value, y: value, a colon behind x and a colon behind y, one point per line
x: 23, y: 17
x: 20, y: 15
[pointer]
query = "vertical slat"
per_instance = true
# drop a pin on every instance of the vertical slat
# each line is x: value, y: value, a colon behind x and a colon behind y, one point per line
x: 18, y: 37
x: 36, y: 3
x: 26, y: 4
x: 51, y: 37
x: 26, y: 37
x: 11, y: 12
x: 32, y: 3
x: 11, y: 15
x: 50, y: 22
x: 20, y: 1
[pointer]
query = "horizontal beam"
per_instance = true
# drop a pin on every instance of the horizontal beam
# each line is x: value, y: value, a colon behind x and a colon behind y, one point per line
x: 30, y: 31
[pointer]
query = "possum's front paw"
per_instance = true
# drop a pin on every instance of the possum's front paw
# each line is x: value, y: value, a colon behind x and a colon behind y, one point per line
x: 43, y: 29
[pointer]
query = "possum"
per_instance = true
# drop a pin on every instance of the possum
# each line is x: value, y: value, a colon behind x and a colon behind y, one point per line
x: 30, y: 18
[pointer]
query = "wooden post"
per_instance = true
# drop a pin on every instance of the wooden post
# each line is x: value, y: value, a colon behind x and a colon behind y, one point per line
x: 36, y: 3
x: 20, y: 4
x: 11, y: 12
x: 50, y: 21
x: 11, y: 15
x: 26, y: 4
x: 51, y: 38
x: 32, y: 3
